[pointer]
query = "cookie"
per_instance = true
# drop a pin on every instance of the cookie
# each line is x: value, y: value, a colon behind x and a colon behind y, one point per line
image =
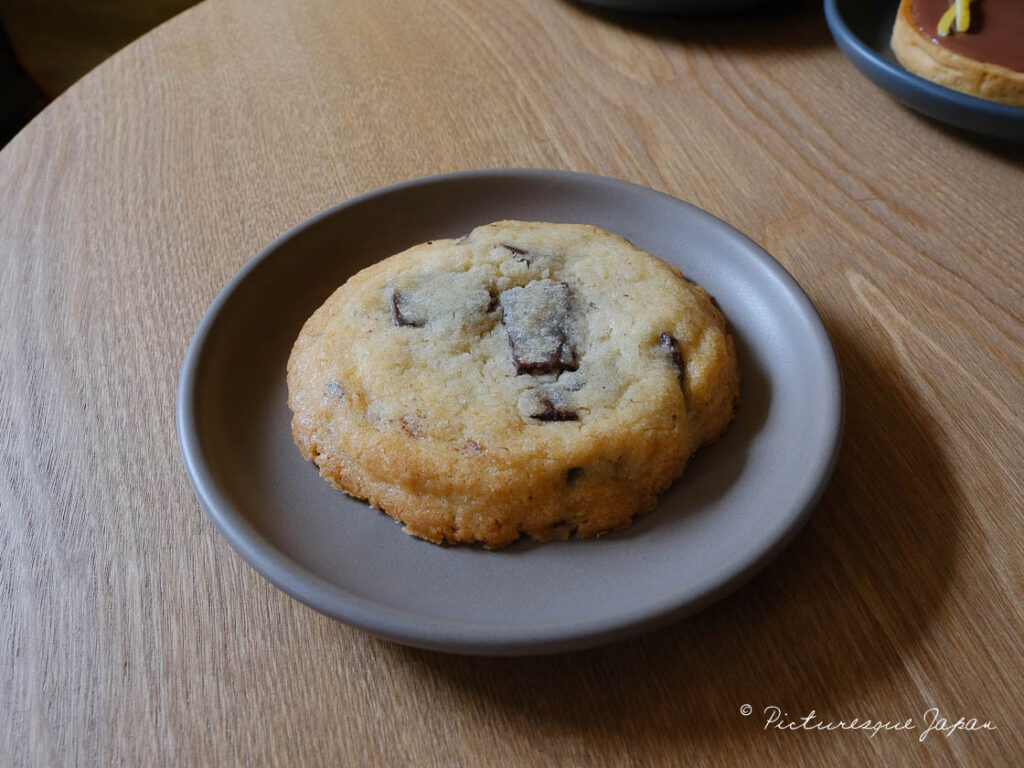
x: 985, y: 58
x: 526, y: 379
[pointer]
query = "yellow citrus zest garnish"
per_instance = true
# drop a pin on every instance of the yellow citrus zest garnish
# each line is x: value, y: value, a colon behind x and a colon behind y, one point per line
x: 959, y: 12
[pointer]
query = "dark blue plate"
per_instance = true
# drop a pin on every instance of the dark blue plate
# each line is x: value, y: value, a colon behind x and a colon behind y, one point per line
x: 862, y: 29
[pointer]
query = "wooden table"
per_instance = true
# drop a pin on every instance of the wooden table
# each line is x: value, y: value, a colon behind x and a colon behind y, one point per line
x: 134, y: 635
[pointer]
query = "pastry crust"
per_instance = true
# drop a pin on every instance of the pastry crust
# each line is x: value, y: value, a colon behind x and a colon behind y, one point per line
x: 531, y: 379
x: 918, y: 54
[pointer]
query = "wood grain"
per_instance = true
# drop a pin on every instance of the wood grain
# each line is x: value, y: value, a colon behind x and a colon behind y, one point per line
x: 134, y: 635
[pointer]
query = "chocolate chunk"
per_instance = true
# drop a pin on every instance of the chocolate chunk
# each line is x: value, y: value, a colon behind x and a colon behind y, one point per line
x: 450, y: 303
x: 552, y: 412
x: 574, y: 474
x: 538, y: 322
x: 412, y: 426
x: 547, y: 402
x: 407, y: 311
x: 519, y: 254
x: 669, y: 344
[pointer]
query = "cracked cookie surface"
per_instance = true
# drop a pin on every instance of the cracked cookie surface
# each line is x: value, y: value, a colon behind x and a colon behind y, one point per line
x: 526, y: 379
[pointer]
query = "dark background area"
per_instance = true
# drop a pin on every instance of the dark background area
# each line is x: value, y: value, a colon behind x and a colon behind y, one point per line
x: 46, y: 45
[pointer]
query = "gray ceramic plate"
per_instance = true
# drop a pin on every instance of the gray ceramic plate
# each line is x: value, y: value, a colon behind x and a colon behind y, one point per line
x: 738, y: 504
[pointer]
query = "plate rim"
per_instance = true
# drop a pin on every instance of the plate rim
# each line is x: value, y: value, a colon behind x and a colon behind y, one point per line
x: 866, y: 59
x: 457, y: 637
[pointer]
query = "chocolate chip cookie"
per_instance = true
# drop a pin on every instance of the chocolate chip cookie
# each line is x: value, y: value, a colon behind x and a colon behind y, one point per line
x: 527, y: 378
